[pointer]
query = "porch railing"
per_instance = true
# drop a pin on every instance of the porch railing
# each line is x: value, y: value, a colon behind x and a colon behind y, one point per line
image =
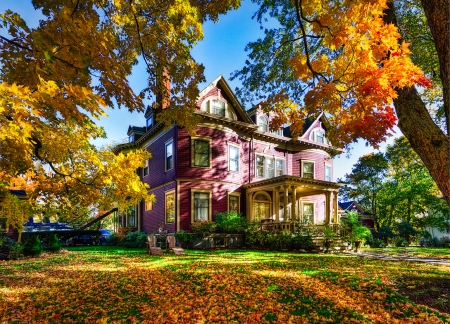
x: 312, y: 230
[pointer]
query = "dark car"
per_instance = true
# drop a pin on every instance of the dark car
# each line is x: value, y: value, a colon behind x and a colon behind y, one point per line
x: 83, y: 240
x: 105, y: 234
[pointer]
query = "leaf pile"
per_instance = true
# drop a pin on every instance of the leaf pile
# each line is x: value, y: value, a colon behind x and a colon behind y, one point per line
x: 209, y: 287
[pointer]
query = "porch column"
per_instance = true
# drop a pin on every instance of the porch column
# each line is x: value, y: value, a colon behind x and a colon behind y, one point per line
x: 249, y: 206
x: 294, y: 203
x: 335, y: 205
x: 276, y: 198
x: 286, y: 213
x: 327, y: 207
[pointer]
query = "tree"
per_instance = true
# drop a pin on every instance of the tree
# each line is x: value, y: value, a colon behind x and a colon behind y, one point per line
x: 348, y: 59
x: 396, y: 186
x: 58, y: 78
x: 366, y: 180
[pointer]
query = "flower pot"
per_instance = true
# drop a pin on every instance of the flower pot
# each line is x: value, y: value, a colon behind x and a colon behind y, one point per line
x: 357, y: 245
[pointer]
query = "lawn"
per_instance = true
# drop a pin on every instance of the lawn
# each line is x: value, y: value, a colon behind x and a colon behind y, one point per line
x: 110, y: 285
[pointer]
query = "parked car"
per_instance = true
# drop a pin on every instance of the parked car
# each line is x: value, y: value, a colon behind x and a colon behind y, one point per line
x: 105, y: 234
x: 83, y: 240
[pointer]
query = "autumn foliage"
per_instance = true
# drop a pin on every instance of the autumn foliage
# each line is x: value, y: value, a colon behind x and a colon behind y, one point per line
x: 212, y: 287
x: 59, y: 77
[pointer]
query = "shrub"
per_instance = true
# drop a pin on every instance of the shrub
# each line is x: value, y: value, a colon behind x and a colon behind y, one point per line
x: 400, y: 242
x: 113, y: 239
x: 203, y: 228
x: 184, y: 237
x: 445, y: 241
x: 377, y: 243
x: 53, y: 243
x: 33, y: 246
x: 302, y: 242
x: 384, y: 233
x: 230, y: 222
x: 15, y: 251
x: 406, y: 231
x: 135, y: 240
x: 357, y: 231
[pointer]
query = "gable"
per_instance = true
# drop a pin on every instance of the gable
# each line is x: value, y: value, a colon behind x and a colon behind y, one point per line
x: 218, y: 98
x: 315, y: 129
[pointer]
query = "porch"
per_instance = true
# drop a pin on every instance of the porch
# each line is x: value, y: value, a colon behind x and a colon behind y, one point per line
x: 295, y: 205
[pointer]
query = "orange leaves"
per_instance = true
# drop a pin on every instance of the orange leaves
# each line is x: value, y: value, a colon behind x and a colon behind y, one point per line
x: 207, y: 287
x: 355, y: 69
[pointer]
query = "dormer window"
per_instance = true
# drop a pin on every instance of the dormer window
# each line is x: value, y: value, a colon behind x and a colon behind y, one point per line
x: 218, y: 107
x: 131, y: 138
x: 149, y: 121
x: 263, y: 124
x: 318, y: 135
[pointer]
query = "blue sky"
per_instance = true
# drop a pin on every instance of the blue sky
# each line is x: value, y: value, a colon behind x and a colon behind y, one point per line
x: 221, y: 52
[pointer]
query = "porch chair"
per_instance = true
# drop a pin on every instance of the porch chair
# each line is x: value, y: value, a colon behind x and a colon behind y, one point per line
x: 171, y: 246
x: 151, y: 246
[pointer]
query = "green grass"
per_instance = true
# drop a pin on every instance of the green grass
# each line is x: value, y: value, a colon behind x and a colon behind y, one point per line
x: 110, y: 284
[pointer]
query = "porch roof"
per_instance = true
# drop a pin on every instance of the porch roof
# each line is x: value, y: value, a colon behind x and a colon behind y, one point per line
x: 303, y: 185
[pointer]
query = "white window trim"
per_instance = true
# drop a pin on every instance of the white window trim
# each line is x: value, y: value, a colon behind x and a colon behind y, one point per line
x: 147, y: 119
x: 206, y: 106
x: 284, y: 166
x: 145, y: 167
x: 193, y: 139
x: 168, y: 142
x: 258, y: 117
x: 239, y: 156
x: 313, y: 135
x: 193, y: 192
x: 325, y: 172
x: 275, y: 159
x: 234, y: 194
x: 168, y: 193
x: 314, y: 168
x: 309, y: 202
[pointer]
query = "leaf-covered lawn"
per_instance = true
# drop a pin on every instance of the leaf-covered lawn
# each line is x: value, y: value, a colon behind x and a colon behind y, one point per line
x: 110, y: 286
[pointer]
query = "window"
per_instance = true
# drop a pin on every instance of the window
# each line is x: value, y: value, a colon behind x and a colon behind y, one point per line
x: 268, y: 167
x: 131, y: 138
x: 233, y: 158
x: 261, y: 206
x: 218, y: 107
x: 201, y: 153
x: 280, y: 168
x: 169, y: 155
x: 201, y: 206
x: 145, y: 170
x: 148, y: 205
x: 233, y: 203
x: 263, y: 125
x: 260, y: 166
x: 308, y: 213
x: 278, y: 132
x: 149, y: 121
x: 170, y: 207
x: 131, y: 217
x: 320, y: 137
x: 308, y: 170
x: 327, y: 173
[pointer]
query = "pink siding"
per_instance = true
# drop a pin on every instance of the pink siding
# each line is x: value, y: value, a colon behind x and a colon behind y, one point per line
x: 152, y: 219
x: 219, y: 199
x: 320, y: 160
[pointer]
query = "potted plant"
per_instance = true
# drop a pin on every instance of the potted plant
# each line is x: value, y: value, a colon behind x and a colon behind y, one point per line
x: 328, y: 237
x: 358, y: 233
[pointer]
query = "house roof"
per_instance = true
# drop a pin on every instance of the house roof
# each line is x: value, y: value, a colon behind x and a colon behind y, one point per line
x: 222, y: 83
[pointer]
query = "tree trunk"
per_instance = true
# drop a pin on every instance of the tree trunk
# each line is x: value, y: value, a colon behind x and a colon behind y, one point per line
x: 425, y: 137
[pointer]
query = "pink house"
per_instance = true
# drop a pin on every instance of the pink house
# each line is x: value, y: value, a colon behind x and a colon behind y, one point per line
x: 233, y: 163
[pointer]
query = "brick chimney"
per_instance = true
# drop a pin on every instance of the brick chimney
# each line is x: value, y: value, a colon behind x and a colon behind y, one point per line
x: 163, y: 91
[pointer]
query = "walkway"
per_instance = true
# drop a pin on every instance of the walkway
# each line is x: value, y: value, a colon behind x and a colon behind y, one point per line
x: 402, y: 257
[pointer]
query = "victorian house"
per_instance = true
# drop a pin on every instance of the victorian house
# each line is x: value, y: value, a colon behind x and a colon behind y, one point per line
x: 233, y: 163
